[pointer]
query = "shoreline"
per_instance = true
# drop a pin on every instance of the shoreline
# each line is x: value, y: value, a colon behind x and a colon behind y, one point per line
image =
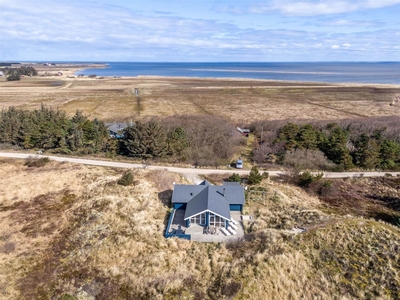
x: 68, y: 72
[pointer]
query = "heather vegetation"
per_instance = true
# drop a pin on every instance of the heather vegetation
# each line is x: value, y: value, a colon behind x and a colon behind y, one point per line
x: 371, y: 143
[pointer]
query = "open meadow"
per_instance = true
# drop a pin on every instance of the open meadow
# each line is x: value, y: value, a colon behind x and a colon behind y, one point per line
x: 239, y: 100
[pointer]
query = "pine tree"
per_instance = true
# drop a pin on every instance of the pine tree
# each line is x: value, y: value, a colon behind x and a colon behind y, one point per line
x: 145, y: 140
x: 255, y: 177
x: 367, y: 154
x: 234, y: 178
x: 177, y: 141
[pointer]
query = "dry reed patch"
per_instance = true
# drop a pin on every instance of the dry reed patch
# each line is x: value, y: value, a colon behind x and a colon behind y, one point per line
x: 34, y: 207
x: 22, y: 183
x: 360, y: 257
x: 367, y: 197
x: 217, y: 179
x: 233, y: 99
x: 164, y: 182
x: 282, y: 207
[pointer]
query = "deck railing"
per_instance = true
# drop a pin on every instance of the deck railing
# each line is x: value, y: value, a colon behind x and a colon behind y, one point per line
x: 169, y: 234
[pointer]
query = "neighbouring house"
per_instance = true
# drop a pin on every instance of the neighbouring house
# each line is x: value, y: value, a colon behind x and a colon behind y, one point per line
x: 116, y: 129
x: 205, y: 205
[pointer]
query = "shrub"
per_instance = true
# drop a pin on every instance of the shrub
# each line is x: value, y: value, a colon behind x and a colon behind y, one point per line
x: 14, y: 77
x: 307, y: 159
x: 306, y: 178
x: 275, y: 197
x: 126, y: 179
x: 36, y: 162
x: 255, y: 177
x: 234, y: 178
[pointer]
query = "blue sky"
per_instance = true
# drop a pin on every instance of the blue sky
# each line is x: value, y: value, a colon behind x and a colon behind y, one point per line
x: 194, y: 30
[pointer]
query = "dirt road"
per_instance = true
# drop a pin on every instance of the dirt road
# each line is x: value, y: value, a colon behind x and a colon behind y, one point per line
x: 191, y: 172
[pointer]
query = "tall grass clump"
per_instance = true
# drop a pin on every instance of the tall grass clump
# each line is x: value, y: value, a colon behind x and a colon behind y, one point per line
x: 36, y: 162
x: 126, y: 179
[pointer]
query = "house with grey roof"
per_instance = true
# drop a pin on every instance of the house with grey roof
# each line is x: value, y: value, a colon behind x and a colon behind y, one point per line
x: 116, y: 129
x: 206, y: 205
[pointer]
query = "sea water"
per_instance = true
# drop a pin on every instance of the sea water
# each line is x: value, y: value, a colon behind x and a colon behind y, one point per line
x: 333, y: 72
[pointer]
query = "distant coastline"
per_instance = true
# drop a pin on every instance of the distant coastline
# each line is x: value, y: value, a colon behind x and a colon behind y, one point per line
x: 323, y: 72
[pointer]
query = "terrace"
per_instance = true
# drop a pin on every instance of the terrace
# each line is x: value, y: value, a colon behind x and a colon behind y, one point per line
x: 198, y: 233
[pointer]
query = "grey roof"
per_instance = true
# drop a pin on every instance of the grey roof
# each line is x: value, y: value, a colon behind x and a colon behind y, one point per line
x: 204, y: 182
x: 183, y: 193
x: 207, y: 197
x: 116, y: 127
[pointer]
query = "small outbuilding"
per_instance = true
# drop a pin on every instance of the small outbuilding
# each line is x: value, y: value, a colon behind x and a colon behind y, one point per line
x: 244, y: 131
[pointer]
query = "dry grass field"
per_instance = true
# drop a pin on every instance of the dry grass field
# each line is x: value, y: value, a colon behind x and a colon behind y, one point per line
x: 70, y: 232
x: 241, y: 101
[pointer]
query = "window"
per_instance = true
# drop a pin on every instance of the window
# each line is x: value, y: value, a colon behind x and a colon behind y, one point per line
x: 199, y: 219
x: 216, y: 221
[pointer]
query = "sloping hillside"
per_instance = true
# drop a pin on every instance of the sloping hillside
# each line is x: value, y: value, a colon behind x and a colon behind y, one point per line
x: 70, y: 232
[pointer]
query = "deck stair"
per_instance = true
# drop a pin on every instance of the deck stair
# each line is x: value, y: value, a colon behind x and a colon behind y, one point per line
x: 233, y: 225
x: 224, y: 231
x: 231, y: 230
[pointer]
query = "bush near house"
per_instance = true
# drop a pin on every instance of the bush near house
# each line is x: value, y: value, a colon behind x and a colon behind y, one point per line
x: 255, y: 177
x: 234, y: 178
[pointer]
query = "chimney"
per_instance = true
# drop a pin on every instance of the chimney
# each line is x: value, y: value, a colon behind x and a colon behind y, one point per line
x: 224, y: 191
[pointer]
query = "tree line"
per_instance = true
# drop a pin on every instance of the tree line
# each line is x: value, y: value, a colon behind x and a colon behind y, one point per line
x: 344, y: 145
x: 51, y: 129
x: 16, y: 73
x: 199, y: 140
x: 211, y: 140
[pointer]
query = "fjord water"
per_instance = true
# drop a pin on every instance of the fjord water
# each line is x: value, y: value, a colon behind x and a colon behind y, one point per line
x: 357, y: 72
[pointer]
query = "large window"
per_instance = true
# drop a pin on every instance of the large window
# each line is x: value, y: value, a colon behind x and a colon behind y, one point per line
x: 216, y: 221
x: 199, y: 219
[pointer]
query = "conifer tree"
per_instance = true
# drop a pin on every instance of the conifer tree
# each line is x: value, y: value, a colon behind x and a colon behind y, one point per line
x: 255, y: 177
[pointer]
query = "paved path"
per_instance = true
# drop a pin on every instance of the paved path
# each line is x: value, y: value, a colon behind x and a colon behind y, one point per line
x: 184, y: 171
